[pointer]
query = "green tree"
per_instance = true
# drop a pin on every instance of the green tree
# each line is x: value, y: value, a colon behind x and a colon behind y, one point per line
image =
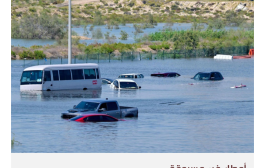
x: 216, y: 24
x: 151, y: 19
x: 187, y: 40
x: 13, y: 53
x: 15, y: 30
x: 26, y: 54
x: 124, y: 35
x: 91, y: 28
x: 38, y: 54
x: 97, y: 34
x: 197, y: 24
x: 98, y: 18
x: 85, y: 32
x: 38, y: 27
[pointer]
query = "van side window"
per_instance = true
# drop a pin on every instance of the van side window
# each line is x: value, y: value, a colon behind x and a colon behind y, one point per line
x: 55, y: 75
x: 97, y: 73
x: 47, y: 76
x: 77, y: 74
x: 65, y: 74
x: 90, y: 73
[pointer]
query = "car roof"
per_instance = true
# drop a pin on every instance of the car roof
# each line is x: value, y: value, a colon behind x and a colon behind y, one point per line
x: 170, y: 72
x: 99, y: 100
x: 209, y: 72
x: 166, y: 73
x: 132, y: 74
x: 125, y: 80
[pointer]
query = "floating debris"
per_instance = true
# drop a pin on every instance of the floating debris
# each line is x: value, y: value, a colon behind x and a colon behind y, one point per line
x: 172, y: 103
x: 240, y: 86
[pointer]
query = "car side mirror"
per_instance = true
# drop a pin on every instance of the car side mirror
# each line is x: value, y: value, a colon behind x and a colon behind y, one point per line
x: 74, y: 106
x: 140, y: 87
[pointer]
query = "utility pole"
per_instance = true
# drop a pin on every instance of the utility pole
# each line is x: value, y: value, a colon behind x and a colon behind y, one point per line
x: 69, y: 34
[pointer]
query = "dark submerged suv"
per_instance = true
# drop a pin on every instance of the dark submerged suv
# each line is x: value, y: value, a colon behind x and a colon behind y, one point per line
x: 208, y: 76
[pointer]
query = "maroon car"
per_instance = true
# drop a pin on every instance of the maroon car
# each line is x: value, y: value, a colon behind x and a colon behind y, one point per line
x: 95, y: 118
x: 166, y: 74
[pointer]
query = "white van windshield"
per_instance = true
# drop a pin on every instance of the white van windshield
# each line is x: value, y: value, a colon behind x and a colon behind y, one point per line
x: 31, y: 77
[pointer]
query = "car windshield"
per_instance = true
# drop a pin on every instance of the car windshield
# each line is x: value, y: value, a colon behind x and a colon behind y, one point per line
x: 90, y: 106
x: 202, y: 76
x: 128, y: 85
x: 126, y: 76
x: 31, y: 77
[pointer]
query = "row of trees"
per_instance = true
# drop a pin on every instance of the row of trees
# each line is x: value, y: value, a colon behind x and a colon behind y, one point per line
x: 37, y: 54
x: 109, y: 48
x: 194, y: 39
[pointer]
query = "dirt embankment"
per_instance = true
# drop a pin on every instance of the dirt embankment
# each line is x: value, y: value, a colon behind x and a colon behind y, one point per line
x: 86, y: 8
x: 182, y: 8
x: 211, y: 5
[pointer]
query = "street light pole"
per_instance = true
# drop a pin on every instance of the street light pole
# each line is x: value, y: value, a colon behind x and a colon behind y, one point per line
x: 69, y: 34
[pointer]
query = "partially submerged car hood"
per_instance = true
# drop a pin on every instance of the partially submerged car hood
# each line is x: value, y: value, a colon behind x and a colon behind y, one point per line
x: 78, y: 110
x: 75, y: 112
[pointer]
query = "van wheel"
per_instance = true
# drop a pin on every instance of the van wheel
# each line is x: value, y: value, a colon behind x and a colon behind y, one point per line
x: 84, y: 88
x: 48, y: 90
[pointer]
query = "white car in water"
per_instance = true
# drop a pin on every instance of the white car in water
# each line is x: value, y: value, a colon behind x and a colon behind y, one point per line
x: 132, y: 75
x: 124, y: 84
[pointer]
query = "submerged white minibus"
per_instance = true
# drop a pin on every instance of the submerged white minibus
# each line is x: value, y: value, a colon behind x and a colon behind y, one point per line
x: 61, y: 77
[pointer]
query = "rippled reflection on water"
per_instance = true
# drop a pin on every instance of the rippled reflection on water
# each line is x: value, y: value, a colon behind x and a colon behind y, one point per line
x: 174, y: 116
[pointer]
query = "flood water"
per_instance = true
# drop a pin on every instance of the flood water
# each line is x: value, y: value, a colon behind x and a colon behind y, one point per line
x: 174, y: 116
